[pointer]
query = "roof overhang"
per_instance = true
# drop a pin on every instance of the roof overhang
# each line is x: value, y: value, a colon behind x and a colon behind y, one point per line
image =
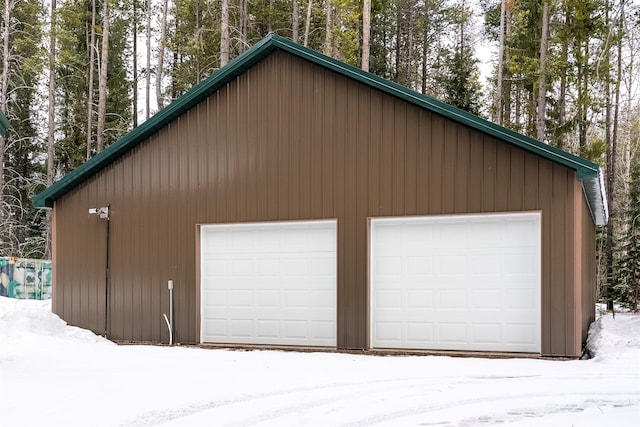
x: 588, y: 173
x: 595, y: 194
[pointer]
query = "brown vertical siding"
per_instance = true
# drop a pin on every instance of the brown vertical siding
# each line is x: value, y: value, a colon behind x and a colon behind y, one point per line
x: 577, y: 269
x: 290, y: 140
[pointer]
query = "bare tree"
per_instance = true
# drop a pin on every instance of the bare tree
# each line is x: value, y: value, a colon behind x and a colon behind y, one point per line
x: 135, y: 63
x: 542, y: 80
x: 244, y: 19
x: 328, y: 46
x: 147, y: 88
x: 161, y: 44
x: 91, y: 46
x: 102, y: 82
x: 499, y: 94
x: 295, y: 20
x: 307, y: 25
x: 562, y: 96
x: 6, y: 33
x: 366, y: 34
x: 224, y: 33
x: 51, y: 123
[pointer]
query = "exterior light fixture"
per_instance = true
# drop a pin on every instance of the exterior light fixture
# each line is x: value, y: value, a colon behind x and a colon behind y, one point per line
x: 101, y: 212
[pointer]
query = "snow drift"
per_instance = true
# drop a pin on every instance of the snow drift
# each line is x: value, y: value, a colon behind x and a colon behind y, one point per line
x: 53, y: 374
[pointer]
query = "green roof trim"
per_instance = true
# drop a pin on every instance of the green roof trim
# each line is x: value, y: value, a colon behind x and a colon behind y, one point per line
x: 4, y: 124
x: 585, y: 169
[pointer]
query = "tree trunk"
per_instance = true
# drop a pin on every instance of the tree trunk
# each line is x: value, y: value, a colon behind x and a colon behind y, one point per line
x: 244, y: 18
x: 366, y: 34
x: 102, y: 83
x: 517, y: 108
x: 328, y: 48
x: 295, y: 21
x: 614, y: 149
x: 508, y: 85
x: 585, y: 90
x: 499, y: 93
x: 160, y: 68
x: 562, y: 96
x: 51, y: 124
x: 91, y: 47
x: 626, y: 158
x: 148, y: 70
x: 224, y: 34
x: 6, y: 33
x: 198, y: 35
x: 409, y: 64
x: 398, y: 47
x: 616, y: 110
x: 542, y: 82
x: 307, y: 25
x: 611, y: 172
x: 135, y: 65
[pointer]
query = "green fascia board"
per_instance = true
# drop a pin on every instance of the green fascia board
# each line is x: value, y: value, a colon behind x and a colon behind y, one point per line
x: 584, y: 168
x: 4, y: 124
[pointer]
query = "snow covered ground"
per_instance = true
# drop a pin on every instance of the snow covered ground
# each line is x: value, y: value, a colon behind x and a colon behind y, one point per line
x: 52, y: 374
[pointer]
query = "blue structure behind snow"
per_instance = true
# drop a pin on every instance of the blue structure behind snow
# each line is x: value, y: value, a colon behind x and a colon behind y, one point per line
x: 25, y: 278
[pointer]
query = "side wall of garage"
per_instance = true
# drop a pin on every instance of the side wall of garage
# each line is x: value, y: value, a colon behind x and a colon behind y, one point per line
x: 290, y: 140
x: 589, y: 274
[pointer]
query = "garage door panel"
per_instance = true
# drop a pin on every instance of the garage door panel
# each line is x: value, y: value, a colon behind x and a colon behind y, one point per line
x: 323, y: 330
x: 452, y: 332
x: 269, y: 283
x: 485, y: 299
x: 422, y: 299
x: 477, y: 277
x: 268, y: 328
x: 420, y: 332
x: 486, y: 333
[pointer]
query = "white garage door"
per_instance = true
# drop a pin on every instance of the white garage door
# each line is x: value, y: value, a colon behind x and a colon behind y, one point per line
x: 269, y: 283
x: 465, y: 282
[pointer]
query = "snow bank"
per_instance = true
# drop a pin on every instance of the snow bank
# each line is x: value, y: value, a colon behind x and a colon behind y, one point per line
x: 58, y: 375
x: 23, y: 318
x: 615, y: 339
x: 30, y: 334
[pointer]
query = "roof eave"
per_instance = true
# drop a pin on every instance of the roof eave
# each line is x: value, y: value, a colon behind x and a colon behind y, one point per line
x: 595, y: 193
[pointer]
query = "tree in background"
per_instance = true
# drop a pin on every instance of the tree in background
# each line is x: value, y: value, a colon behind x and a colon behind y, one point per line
x: 22, y: 67
x: 366, y: 34
x: 461, y: 78
x: 565, y: 74
x: 194, y: 43
x: 51, y: 124
x: 627, y: 287
x: 75, y: 19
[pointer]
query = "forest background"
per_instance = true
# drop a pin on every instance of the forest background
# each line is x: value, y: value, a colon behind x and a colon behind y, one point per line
x: 76, y: 75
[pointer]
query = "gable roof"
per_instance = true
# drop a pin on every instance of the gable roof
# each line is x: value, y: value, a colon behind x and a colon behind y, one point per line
x: 587, y: 172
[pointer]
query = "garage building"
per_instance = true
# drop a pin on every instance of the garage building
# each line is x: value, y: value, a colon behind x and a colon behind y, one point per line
x: 295, y: 200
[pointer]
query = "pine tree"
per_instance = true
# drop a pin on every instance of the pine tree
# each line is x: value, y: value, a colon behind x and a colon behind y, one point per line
x: 74, y: 31
x: 628, y: 269
x: 461, y: 80
x: 22, y: 65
